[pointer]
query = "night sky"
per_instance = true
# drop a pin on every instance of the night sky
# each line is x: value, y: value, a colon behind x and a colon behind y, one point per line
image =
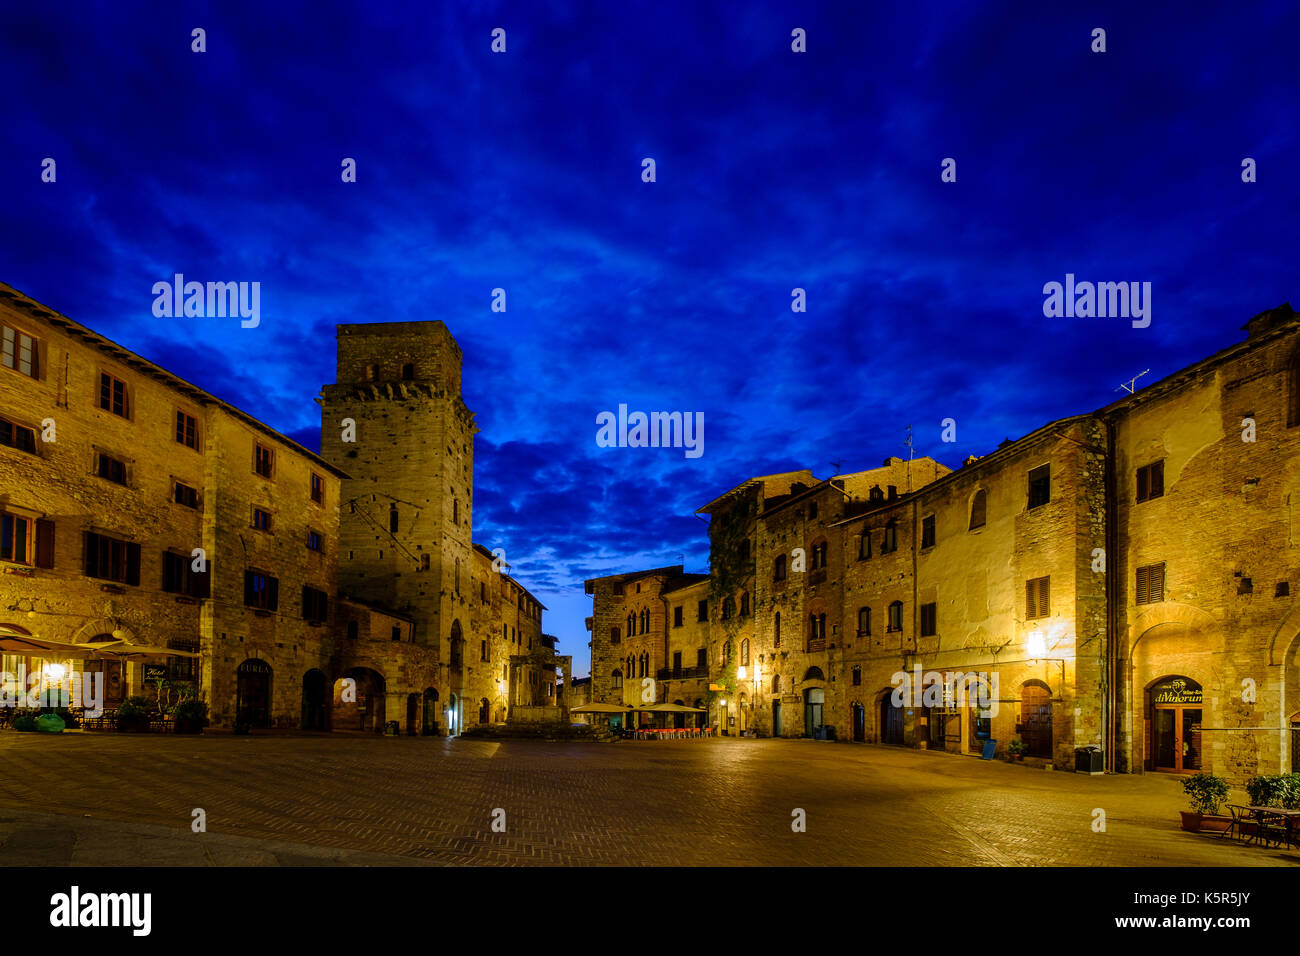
x: 775, y: 170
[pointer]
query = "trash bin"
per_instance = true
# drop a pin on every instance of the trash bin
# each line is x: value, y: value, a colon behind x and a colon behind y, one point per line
x: 1088, y: 760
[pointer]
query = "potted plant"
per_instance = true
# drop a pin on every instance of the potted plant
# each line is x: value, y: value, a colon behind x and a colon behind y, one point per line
x: 25, y: 724
x: 1016, y: 748
x: 190, y: 716
x: 133, y: 715
x: 1206, y: 793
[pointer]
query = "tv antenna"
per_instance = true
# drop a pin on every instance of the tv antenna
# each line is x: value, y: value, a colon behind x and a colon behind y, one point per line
x: 836, y: 466
x: 1131, y: 385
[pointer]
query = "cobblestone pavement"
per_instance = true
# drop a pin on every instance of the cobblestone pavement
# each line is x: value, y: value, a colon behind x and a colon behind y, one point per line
x: 91, y: 799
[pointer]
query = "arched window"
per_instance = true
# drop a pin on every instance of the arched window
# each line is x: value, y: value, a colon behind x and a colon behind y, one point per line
x: 726, y: 652
x: 776, y: 683
x: 645, y: 664
x: 776, y: 629
x: 977, y: 508
x: 631, y: 625
x: 392, y: 519
x: 408, y: 371
x: 457, y: 575
x: 817, y: 632
x: 744, y: 550
x: 455, y: 511
x: 864, y: 621
x: 728, y: 608
x: 814, y: 673
x: 618, y: 678
x: 896, y: 616
x: 778, y: 568
x: 372, y: 373
x: 631, y: 666
x: 744, y: 604
x: 744, y: 653
x: 645, y: 621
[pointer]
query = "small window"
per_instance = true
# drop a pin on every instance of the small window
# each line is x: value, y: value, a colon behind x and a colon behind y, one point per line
x: 19, y: 351
x: 929, y: 620
x: 179, y: 576
x: 1151, y: 584
x: 927, y: 531
x: 111, y: 469
x: 261, y: 591
x: 744, y: 604
x: 744, y: 550
x: 185, y: 495
x: 317, y: 488
x: 261, y: 520
x: 864, y: 622
x: 857, y: 676
x: 744, y: 653
x: 113, y: 396
x: 110, y: 559
x: 455, y: 511
x: 701, y: 658
x: 408, y: 373
x: 372, y: 373
x: 677, y: 616
x: 16, y: 539
x: 778, y: 568
x: 812, y: 510
x: 17, y: 436
x: 482, y: 649
x: 978, y: 505
x: 396, y: 634
x: 263, y: 460
x: 1038, y: 598
x: 1040, y: 485
x: 896, y: 616
x: 702, y: 611
x: 316, y: 540
x: 424, y: 563
x: 392, y: 519
x: 315, y: 604
x: 889, y: 544
x: 187, y: 430
x: 864, y: 545
x: 1151, y: 481
x: 613, y: 635
x: 776, y: 629
x: 352, y: 630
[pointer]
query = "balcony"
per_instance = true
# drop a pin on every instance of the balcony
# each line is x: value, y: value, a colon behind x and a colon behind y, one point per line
x: 816, y: 577
x: 681, y: 673
x: 817, y: 644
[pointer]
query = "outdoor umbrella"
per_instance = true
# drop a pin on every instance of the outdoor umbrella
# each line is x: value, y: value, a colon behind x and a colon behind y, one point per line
x: 598, y: 709
x: 40, y: 647
x: 138, y: 651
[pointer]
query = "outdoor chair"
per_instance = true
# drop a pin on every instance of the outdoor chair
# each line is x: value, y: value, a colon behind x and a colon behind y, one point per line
x: 1273, y: 828
x: 1241, y: 818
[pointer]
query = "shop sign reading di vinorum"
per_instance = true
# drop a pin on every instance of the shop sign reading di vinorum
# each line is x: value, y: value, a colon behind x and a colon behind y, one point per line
x: 1176, y: 690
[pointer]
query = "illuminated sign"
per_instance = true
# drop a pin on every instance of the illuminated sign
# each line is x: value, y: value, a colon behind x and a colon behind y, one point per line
x: 1176, y: 690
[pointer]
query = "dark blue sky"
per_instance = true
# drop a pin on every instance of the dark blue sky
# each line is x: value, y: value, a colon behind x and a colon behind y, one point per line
x: 775, y: 170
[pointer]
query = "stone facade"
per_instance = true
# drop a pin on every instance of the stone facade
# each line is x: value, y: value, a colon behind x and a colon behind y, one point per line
x: 341, y: 591
x: 1118, y: 580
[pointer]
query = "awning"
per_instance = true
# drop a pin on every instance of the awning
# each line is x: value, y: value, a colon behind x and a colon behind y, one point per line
x: 40, y: 647
x: 136, y: 651
x: 598, y: 709
x: 673, y: 709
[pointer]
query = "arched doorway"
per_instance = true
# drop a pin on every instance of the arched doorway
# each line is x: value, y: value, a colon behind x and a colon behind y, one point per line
x: 776, y: 718
x: 1036, y: 719
x: 412, y: 714
x: 114, y: 675
x: 742, y: 714
x: 1174, y: 724
x: 859, y: 722
x: 253, y: 693
x: 429, y: 727
x: 891, y: 720
x: 484, y: 711
x: 359, y: 701
x: 315, y: 715
x: 814, y: 703
x: 453, y: 715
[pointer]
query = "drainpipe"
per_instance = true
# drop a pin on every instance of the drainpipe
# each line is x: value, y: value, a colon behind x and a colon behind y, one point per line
x: 1111, y: 697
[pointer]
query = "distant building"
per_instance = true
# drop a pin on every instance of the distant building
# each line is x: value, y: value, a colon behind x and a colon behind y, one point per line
x: 1119, y: 579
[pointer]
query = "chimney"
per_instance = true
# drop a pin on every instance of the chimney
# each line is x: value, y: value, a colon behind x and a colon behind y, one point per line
x: 1268, y: 320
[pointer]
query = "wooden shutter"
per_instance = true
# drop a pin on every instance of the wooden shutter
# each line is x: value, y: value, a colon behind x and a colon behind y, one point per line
x: 202, y: 581
x: 248, y: 588
x: 1143, y: 586
x: 132, y: 563
x: 308, y: 604
x: 92, y: 554
x: 1044, y: 597
x: 1156, y: 582
x: 1143, y: 484
x: 44, y: 543
x: 1031, y: 595
x: 1157, y: 480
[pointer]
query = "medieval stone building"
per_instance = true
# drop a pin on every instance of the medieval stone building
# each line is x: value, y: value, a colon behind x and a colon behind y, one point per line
x: 342, y: 591
x: 1118, y: 580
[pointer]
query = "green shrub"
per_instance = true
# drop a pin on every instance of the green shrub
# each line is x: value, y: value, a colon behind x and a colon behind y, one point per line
x: 1206, y: 792
x: 26, y: 724
x: 193, y: 710
x: 130, y: 709
x: 1016, y: 746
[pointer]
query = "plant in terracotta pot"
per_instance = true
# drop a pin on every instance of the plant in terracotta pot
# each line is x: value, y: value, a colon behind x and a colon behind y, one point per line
x: 1016, y: 748
x: 191, y: 716
x: 1207, y: 793
x: 133, y: 715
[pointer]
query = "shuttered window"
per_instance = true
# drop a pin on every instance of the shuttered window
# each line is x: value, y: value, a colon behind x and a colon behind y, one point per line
x: 261, y: 591
x: 1151, y: 584
x: 929, y: 620
x: 112, y: 560
x: 1151, y: 481
x: 1038, y: 598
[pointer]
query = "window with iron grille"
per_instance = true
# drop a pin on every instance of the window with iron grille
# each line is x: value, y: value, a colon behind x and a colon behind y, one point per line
x: 1038, y: 601
x: 1151, y: 584
x: 184, y: 668
x: 1151, y: 481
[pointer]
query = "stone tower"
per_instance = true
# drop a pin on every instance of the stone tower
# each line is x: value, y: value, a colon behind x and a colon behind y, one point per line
x: 405, y: 512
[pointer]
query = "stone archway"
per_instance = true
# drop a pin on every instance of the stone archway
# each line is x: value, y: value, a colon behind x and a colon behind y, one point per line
x: 359, y: 701
x: 429, y: 712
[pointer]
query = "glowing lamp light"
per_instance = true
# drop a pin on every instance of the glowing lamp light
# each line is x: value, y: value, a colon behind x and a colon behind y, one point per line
x: 54, y: 671
x: 740, y: 672
x: 1036, y: 646
x: 119, y: 634
x: 722, y: 703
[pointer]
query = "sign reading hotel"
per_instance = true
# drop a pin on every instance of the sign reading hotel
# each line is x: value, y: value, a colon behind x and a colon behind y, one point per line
x: 1176, y: 691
